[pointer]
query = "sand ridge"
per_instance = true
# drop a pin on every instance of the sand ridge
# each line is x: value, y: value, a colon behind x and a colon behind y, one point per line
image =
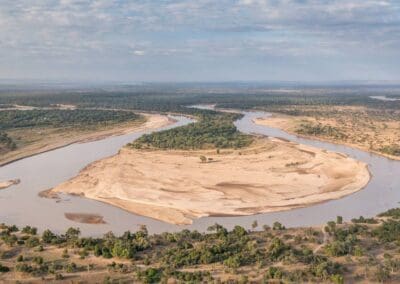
x: 176, y: 187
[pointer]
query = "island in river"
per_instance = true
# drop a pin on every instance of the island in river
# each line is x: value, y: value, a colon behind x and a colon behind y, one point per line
x: 8, y: 183
x: 176, y: 186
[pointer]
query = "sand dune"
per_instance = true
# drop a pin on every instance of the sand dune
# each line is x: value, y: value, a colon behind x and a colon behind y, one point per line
x: 175, y: 187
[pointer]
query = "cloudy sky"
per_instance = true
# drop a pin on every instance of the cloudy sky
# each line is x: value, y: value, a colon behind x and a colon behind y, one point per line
x: 202, y: 40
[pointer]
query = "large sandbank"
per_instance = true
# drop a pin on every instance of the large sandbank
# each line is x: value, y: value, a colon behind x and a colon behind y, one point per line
x: 176, y: 187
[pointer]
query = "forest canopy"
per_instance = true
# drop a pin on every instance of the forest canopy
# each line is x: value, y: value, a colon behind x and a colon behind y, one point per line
x: 11, y: 119
x: 214, y: 130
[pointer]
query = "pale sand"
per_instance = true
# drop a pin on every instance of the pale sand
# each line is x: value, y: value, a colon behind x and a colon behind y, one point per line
x: 153, y: 121
x: 6, y: 184
x: 175, y: 187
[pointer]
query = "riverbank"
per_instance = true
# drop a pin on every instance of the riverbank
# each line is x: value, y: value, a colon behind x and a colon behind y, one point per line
x: 384, y: 134
x: 177, y: 186
x: 59, y: 138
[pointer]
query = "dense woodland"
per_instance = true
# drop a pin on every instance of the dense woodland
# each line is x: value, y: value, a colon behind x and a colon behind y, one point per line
x: 11, y: 119
x: 213, y: 129
x: 169, y: 97
x: 367, y: 249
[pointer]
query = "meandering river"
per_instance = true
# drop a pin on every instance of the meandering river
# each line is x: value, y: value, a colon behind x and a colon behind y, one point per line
x: 20, y: 204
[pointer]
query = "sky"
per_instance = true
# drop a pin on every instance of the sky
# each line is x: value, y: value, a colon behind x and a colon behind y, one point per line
x: 202, y: 40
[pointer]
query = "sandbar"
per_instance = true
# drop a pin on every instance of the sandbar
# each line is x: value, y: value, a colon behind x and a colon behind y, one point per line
x: 6, y: 184
x: 177, y: 187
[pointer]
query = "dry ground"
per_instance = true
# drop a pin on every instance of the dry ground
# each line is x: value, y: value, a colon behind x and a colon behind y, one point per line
x: 176, y: 187
x: 359, y: 127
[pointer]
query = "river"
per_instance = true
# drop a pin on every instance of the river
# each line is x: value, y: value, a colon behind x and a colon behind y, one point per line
x: 20, y: 204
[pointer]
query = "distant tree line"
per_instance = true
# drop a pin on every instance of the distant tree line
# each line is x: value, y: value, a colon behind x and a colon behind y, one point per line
x: 11, y: 119
x: 173, y: 98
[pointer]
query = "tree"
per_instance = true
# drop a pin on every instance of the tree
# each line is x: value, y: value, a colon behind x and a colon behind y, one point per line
x: 106, y: 252
x: 152, y: 275
x: 203, y: 159
x: 273, y: 273
x: 339, y: 219
x: 97, y: 250
x: 276, y: 249
x: 239, y: 231
x: 337, y: 279
x: 254, y: 224
x: 47, y: 236
x: 278, y: 226
x: 232, y: 262
x: 72, y: 233
x: 266, y: 227
x: 4, y: 269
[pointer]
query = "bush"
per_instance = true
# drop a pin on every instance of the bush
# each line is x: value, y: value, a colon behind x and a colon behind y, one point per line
x: 4, y: 269
x: 394, y: 213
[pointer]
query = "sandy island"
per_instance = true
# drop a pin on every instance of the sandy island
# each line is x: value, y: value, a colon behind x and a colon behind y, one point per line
x: 176, y: 187
x: 6, y: 184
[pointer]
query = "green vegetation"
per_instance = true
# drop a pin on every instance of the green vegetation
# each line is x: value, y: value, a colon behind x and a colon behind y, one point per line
x: 354, y: 114
x: 11, y: 119
x: 391, y: 150
x: 172, y: 97
x: 362, y: 220
x: 353, y: 252
x: 6, y: 143
x: 213, y: 130
x: 320, y: 130
x: 394, y: 213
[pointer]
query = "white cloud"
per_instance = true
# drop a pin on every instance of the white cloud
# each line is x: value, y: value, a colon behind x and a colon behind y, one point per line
x: 139, y: 52
x: 99, y: 29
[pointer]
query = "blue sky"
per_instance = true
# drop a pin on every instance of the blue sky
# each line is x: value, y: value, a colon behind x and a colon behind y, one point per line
x: 203, y: 40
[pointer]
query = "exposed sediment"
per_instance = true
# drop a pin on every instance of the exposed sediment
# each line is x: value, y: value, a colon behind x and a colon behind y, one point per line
x: 176, y: 187
x: 6, y: 184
